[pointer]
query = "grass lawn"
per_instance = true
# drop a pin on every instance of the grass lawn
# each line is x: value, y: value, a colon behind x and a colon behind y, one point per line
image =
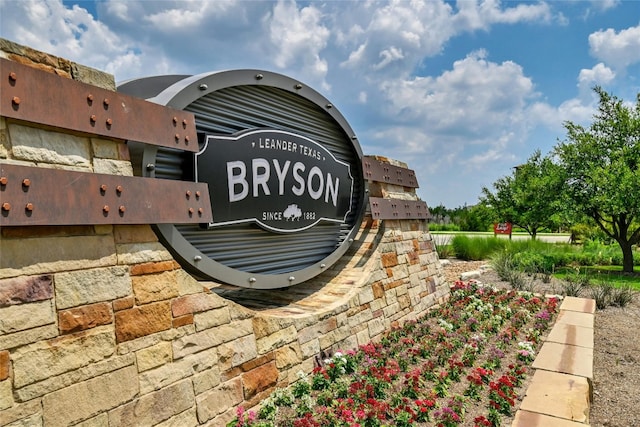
x: 605, y: 273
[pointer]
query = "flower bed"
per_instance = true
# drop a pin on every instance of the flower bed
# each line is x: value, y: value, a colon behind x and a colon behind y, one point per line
x: 463, y: 363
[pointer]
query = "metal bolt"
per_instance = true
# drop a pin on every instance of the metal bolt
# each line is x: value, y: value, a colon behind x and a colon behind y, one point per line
x: 4, y: 180
x: 93, y: 118
x: 6, y: 206
x: 197, y: 258
x: 329, y: 106
x: 188, y: 194
x: 200, y: 211
x: 175, y: 120
x: 103, y: 188
x: 122, y: 209
x: 109, y: 122
x: 323, y: 265
x: 29, y: 207
x: 298, y: 86
x: 203, y: 87
x: 186, y: 139
x: 252, y: 279
x: 12, y: 76
x: 106, y: 102
x: 197, y: 194
x: 16, y: 100
x: 177, y: 137
x: 184, y: 123
x: 291, y: 278
x: 191, y: 211
x: 105, y: 209
x: 259, y: 76
x: 150, y: 166
x: 90, y: 98
x: 119, y: 189
x: 26, y: 182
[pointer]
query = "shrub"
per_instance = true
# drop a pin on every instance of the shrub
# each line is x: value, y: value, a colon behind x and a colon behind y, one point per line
x: 620, y: 297
x: 476, y: 248
x: 602, y: 294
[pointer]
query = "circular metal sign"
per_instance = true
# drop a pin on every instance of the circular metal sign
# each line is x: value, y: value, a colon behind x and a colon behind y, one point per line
x: 284, y: 171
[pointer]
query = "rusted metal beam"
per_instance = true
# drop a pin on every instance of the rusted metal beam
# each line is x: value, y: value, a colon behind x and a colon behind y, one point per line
x: 40, y: 196
x: 35, y: 96
x: 375, y: 170
x: 398, y: 209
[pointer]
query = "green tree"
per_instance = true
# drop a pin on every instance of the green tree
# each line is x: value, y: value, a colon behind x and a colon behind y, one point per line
x: 603, y: 178
x: 530, y: 197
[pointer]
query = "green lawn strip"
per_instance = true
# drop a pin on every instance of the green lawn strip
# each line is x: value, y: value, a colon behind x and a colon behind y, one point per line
x: 604, y: 273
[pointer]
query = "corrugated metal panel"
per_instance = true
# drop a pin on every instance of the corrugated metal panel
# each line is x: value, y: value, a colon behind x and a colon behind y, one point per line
x: 247, y: 247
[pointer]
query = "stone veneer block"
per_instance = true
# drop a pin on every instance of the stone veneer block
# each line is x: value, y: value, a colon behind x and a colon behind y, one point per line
x: 42, y: 146
x: 144, y: 320
x: 52, y: 254
x: 575, y: 318
x: 564, y: 333
x: 581, y: 305
x: 20, y: 290
x: 155, y: 407
x: 91, y: 286
x: 88, y: 398
x: 532, y: 419
x: 569, y: 359
x: 558, y: 395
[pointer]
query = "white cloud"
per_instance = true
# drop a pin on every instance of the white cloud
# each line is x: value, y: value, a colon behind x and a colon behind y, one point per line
x: 618, y: 49
x: 474, y: 15
x: 298, y: 35
x: 600, y: 75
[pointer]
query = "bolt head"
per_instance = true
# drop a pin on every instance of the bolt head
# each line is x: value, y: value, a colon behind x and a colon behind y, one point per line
x: 3, y: 180
x: 26, y: 182
x: 12, y: 76
x: 6, y: 206
x: 29, y: 207
x: 15, y: 100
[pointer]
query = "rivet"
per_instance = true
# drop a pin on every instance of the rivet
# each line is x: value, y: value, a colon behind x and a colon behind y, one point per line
x: 191, y: 211
x: 109, y: 122
x: 3, y: 180
x: 122, y: 209
x: 184, y: 122
x: 188, y: 194
x: 354, y: 137
x: 259, y: 76
x: 93, y: 118
x: 105, y: 208
x: 329, y: 106
x: 6, y: 206
x: 291, y: 278
x: 12, y: 76
x: 177, y: 137
x: 119, y: 189
x: 252, y: 279
x: 29, y: 207
x: 186, y: 139
x: 16, y: 100
x: 298, y: 86
x: 203, y: 87
x: 175, y: 120
x: 197, y: 258
x: 150, y: 166
x: 106, y: 102
x: 103, y: 188
x: 90, y: 98
x: 197, y: 194
x: 200, y: 211
x: 323, y: 265
x: 26, y: 182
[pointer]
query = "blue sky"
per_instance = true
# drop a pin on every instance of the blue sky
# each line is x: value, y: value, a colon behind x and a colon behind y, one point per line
x: 462, y: 91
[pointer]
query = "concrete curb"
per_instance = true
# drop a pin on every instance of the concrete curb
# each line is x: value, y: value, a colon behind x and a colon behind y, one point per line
x: 561, y: 390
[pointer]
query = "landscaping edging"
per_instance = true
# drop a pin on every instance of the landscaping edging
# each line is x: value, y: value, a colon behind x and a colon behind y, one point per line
x: 561, y: 390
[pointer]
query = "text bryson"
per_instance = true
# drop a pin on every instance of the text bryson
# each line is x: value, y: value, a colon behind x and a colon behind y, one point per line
x: 289, y: 178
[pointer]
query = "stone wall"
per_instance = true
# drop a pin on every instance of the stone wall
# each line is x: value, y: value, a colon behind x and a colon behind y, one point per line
x: 99, y: 326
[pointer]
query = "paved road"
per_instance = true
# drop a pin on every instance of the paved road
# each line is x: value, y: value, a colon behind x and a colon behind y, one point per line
x: 443, y: 239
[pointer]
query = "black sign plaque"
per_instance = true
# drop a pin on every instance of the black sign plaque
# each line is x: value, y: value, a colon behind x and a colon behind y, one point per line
x: 282, y: 181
